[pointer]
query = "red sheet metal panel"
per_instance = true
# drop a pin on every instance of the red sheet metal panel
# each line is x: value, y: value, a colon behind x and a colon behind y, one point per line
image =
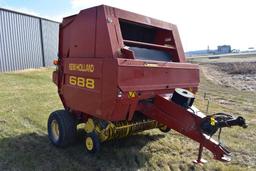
x: 82, y: 36
x: 82, y: 85
x: 148, y: 75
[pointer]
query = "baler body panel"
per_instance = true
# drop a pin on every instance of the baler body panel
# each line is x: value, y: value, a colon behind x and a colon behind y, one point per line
x: 93, y: 47
x: 76, y: 96
x: 135, y: 75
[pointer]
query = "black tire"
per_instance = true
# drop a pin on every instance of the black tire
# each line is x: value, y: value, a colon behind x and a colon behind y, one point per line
x: 164, y: 129
x: 66, y: 133
x: 95, y: 143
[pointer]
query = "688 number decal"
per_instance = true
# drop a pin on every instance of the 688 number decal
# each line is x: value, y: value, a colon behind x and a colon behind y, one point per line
x: 82, y: 82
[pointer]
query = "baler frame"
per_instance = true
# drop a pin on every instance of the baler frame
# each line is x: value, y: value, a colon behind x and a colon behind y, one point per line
x: 118, y: 72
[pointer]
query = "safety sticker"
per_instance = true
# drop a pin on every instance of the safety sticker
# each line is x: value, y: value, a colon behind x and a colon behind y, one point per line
x: 131, y: 94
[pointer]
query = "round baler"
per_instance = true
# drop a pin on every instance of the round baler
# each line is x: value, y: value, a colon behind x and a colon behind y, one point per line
x: 119, y: 73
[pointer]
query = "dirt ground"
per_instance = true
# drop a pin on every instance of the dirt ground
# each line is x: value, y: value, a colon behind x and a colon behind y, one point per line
x: 240, y: 75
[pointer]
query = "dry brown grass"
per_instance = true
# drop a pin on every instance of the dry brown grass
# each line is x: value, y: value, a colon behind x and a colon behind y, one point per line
x: 27, y: 98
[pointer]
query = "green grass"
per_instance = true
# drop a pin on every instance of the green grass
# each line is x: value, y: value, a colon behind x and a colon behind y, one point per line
x: 27, y: 98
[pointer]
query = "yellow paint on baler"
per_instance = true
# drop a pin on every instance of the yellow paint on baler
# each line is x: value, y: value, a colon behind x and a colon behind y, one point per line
x: 89, y: 126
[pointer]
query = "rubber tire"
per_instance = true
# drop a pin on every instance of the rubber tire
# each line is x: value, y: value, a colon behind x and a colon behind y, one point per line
x: 96, y: 143
x: 165, y: 130
x: 67, y: 128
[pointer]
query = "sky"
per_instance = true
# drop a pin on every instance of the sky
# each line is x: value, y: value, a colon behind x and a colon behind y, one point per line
x: 201, y: 23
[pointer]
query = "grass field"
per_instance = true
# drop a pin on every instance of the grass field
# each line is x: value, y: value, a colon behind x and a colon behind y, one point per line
x: 27, y: 98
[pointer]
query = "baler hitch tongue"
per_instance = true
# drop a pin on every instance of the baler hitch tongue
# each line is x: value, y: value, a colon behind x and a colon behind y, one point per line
x: 239, y: 121
x: 209, y: 126
x: 177, y: 112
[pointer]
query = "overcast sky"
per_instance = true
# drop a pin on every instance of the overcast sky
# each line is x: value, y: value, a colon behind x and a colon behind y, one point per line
x: 200, y: 22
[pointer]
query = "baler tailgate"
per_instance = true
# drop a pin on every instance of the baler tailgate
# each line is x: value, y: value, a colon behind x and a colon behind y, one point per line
x: 183, y: 121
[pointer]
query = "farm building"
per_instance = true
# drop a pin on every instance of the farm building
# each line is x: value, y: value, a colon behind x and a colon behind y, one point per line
x: 223, y: 49
x: 26, y: 41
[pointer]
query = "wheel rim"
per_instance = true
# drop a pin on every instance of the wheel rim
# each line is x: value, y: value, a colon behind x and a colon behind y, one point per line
x: 89, y: 143
x: 55, y: 130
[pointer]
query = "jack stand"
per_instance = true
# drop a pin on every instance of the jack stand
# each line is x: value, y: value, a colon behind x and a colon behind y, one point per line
x: 199, y: 159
